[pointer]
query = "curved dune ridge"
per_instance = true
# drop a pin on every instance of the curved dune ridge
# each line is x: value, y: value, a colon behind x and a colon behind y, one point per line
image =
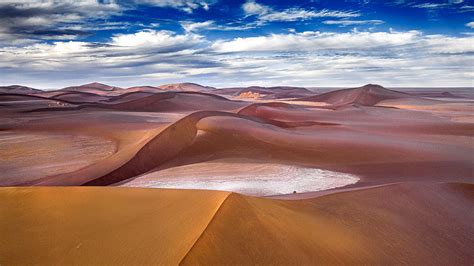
x: 177, y: 101
x: 174, y: 139
x: 240, y: 130
x: 388, y: 224
x: 381, y: 176
x: 346, y: 140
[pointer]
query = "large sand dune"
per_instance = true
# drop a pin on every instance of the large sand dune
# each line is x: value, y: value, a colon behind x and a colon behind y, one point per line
x: 404, y: 223
x: 381, y: 176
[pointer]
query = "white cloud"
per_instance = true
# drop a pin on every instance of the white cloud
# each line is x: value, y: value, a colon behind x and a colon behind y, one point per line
x: 185, y: 5
x: 391, y: 58
x: 265, y: 13
x: 152, y: 38
x: 470, y: 25
x: 195, y: 26
x: 253, y: 8
x: 431, y: 5
x: 345, y: 22
x: 314, y: 41
x: 190, y: 26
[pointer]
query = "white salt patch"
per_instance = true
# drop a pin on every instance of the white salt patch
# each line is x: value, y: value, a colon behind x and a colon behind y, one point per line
x: 283, y: 181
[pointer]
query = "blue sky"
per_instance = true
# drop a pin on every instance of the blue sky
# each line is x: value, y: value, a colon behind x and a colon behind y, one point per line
x: 51, y: 43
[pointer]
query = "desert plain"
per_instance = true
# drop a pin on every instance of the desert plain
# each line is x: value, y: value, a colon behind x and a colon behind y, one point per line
x: 190, y: 174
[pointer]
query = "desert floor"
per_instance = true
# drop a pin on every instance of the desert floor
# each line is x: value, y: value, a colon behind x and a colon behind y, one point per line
x: 183, y: 173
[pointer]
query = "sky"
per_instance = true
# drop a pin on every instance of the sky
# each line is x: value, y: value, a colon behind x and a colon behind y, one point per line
x: 49, y: 44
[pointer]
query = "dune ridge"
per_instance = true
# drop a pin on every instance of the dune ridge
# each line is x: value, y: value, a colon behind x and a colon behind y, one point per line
x: 333, y: 229
x: 367, y: 95
x: 418, y: 223
x: 174, y: 139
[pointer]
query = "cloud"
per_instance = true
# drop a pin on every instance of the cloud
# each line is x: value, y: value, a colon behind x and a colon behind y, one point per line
x: 187, y: 6
x: 190, y: 26
x: 344, y: 23
x: 253, y: 8
x: 431, y: 5
x: 392, y: 58
x: 314, y: 41
x: 470, y: 25
x: 49, y: 19
x: 267, y: 14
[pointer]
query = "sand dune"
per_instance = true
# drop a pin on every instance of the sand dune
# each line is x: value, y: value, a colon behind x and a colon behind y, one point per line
x: 29, y: 156
x: 266, y: 92
x: 178, y: 101
x: 404, y: 223
x: 79, y: 96
x: 26, y: 102
x: 186, y: 87
x: 381, y: 176
x: 17, y: 89
x: 101, y: 225
x: 96, y: 88
x: 367, y: 95
x: 149, y: 89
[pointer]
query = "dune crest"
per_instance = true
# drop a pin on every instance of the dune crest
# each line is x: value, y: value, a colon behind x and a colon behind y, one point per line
x: 357, y: 227
x: 367, y: 95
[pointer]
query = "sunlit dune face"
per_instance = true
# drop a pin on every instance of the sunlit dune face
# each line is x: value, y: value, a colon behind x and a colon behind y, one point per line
x: 255, y: 179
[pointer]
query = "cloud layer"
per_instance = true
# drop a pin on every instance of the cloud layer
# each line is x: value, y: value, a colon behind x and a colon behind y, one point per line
x: 304, y: 58
x: 51, y: 43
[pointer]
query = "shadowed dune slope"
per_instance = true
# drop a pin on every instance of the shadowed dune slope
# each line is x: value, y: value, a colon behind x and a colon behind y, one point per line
x: 101, y: 226
x: 408, y: 223
x: 96, y: 88
x: 79, y: 96
x: 178, y: 101
x: 149, y: 89
x: 367, y: 95
x: 11, y: 97
x: 27, y: 103
x: 18, y: 89
x: 173, y: 140
x: 129, y: 96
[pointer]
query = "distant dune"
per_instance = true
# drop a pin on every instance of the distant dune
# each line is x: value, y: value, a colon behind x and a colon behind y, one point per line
x: 367, y: 95
x: 267, y: 92
x: 186, y: 87
x: 17, y: 89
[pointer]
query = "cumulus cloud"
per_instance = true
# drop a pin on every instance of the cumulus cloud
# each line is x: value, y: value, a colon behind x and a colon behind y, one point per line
x: 295, y: 58
x: 266, y: 13
x: 470, y: 25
